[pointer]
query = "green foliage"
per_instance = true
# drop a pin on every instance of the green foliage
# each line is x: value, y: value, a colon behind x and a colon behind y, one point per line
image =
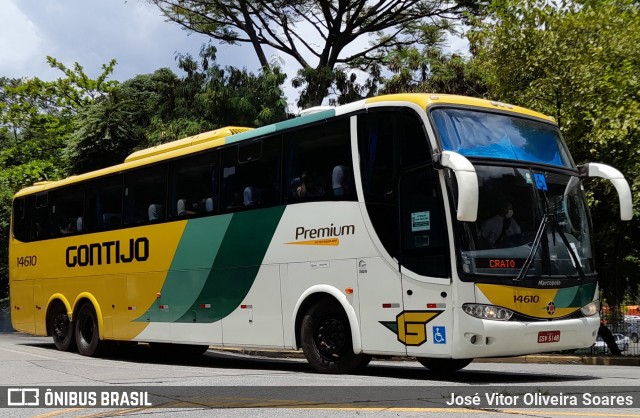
x: 224, y: 96
x: 113, y: 126
x: 12, y: 179
x: 432, y: 71
x: 319, y: 34
x: 578, y: 62
x: 36, y: 120
x: 155, y: 108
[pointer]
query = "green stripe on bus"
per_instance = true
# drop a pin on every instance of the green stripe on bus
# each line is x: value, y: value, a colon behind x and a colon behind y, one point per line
x: 280, y: 126
x: 236, y: 265
x: 199, y: 245
x: 575, y: 297
x: 584, y: 295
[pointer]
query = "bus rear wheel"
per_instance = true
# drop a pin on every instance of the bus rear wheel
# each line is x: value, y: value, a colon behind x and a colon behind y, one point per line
x: 61, y: 329
x: 87, y: 332
x: 444, y: 365
x: 326, y: 340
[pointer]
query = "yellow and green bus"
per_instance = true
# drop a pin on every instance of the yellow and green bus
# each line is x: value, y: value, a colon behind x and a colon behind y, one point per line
x: 440, y: 227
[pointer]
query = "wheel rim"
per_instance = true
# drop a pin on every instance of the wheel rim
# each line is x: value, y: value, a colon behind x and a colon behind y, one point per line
x: 330, y: 338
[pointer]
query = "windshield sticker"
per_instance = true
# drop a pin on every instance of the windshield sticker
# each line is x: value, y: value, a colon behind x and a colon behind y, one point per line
x: 420, y: 221
x: 541, y: 182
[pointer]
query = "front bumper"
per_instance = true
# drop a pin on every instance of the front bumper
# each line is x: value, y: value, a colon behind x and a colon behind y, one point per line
x: 486, y: 338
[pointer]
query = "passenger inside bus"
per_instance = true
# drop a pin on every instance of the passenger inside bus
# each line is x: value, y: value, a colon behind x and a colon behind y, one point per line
x: 340, y: 180
x: 308, y: 186
x: 183, y: 209
x: 250, y: 197
x: 500, y: 226
x: 155, y: 212
x: 67, y: 227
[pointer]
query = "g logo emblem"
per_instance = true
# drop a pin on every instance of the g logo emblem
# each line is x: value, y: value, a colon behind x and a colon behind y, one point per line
x: 411, y: 326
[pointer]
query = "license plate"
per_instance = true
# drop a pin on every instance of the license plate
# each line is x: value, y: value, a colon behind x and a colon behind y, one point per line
x: 548, y: 337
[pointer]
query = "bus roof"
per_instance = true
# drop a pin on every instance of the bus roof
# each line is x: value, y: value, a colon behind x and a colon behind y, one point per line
x: 232, y: 134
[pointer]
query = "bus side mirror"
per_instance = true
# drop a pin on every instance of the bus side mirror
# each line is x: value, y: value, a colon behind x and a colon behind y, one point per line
x: 467, y: 179
x: 614, y: 176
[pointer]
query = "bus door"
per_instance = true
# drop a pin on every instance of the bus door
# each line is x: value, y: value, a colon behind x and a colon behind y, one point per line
x: 425, y: 324
x: 404, y: 207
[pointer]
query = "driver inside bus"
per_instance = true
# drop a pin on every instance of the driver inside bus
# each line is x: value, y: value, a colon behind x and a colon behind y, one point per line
x: 500, y: 225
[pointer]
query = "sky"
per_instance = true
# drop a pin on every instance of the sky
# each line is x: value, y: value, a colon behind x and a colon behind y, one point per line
x: 92, y: 32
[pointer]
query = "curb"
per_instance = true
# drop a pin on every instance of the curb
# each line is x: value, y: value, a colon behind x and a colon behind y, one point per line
x: 532, y: 359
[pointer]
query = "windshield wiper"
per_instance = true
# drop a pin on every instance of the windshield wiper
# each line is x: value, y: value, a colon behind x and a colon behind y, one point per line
x: 534, y: 248
x: 555, y: 227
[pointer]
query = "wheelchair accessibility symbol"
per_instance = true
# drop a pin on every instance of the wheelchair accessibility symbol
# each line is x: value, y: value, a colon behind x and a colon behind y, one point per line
x: 439, y: 335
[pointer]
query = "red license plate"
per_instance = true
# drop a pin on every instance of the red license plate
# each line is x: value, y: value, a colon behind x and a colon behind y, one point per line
x: 548, y: 337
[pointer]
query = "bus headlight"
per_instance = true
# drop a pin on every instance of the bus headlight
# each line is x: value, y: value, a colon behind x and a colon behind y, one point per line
x: 591, y: 309
x: 487, y: 311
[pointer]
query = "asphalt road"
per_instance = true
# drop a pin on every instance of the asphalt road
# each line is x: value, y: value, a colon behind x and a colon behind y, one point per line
x: 229, y: 384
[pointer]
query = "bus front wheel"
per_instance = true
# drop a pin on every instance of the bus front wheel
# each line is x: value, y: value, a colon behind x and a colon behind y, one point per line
x: 444, y: 365
x: 326, y: 340
x: 87, y: 332
x: 61, y: 328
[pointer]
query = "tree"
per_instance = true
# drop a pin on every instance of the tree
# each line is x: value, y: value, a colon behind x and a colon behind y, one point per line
x: 36, y: 119
x: 432, y: 71
x: 578, y: 62
x: 155, y: 108
x: 114, y: 125
x: 318, y: 34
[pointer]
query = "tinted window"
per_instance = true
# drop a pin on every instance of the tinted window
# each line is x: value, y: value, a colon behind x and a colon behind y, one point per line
x: 250, y: 175
x: 21, y: 217
x: 193, y: 186
x: 41, y: 217
x: 389, y: 142
x: 145, y: 195
x: 104, y: 204
x: 67, y: 210
x: 318, y: 163
x: 424, y: 248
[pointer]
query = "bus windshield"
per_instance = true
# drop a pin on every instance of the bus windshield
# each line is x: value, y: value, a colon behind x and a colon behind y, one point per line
x: 532, y: 222
x: 513, y: 206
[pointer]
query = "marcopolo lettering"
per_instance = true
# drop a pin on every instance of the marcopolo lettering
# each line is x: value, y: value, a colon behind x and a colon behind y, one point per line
x: 327, y: 232
x: 109, y: 252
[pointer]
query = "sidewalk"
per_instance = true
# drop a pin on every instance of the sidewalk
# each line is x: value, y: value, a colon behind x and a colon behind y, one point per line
x: 604, y: 360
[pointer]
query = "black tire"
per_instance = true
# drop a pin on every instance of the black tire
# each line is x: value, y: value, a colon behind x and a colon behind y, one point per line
x: 174, y: 350
x: 61, y: 328
x: 634, y: 337
x: 87, y: 332
x: 325, y: 336
x: 444, y: 365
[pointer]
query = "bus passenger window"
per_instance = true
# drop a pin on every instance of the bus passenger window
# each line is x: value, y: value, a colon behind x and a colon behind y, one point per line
x: 67, y: 206
x: 143, y: 188
x: 318, y: 163
x: 250, y: 175
x: 22, y: 217
x: 193, y: 185
x: 103, y: 204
